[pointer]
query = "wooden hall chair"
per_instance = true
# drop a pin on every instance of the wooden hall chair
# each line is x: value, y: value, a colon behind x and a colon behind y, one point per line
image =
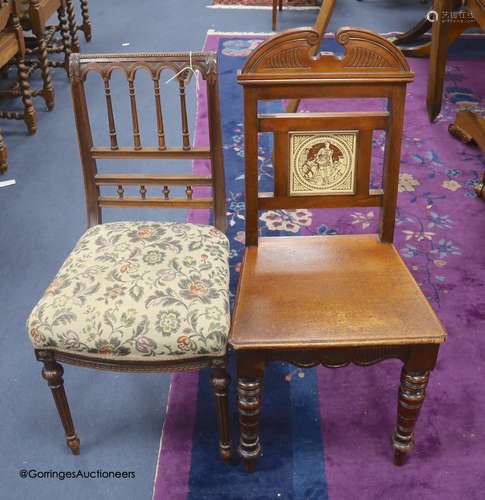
x: 141, y: 296
x: 330, y: 300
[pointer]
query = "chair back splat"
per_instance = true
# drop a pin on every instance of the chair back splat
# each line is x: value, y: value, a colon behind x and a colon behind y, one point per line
x: 323, y: 160
x: 183, y: 66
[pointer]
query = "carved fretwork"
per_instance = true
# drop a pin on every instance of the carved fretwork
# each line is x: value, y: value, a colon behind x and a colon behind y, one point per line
x: 362, y: 58
x: 338, y: 358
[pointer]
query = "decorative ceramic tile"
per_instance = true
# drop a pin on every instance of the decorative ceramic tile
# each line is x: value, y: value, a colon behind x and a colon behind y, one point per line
x: 322, y: 162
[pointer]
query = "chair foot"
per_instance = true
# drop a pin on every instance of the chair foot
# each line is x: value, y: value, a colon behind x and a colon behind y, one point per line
x: 74, y: 444
x: 52, y: 372
x: 225, y: 452
x: 49, y: 99
x: 399, y: 458
x: 250, y: 466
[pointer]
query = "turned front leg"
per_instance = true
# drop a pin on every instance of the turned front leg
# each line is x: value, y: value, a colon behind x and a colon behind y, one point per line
x: 249, y: 404
x: 220, y: 382
x: 53, y: 372
x: 412, y: 392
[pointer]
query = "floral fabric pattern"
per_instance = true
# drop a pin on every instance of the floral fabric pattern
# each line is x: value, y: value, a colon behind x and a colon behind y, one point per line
x: 139, y: 290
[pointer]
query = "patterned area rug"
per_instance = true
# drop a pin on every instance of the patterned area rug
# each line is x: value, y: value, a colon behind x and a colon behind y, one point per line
x: 325, y: 433
x: 267, y: 3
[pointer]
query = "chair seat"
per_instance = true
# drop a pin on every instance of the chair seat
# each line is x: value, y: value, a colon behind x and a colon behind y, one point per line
x: 139, y: 291
x: 329, y: 291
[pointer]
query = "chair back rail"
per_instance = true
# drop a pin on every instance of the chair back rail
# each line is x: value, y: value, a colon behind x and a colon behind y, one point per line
x: 285, y: 67
x: 154, y: 63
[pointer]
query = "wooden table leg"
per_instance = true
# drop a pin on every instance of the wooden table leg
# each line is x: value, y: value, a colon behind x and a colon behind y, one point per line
x: 455, y: 30
x: 414, y: 33
x: 437, y: 62
x: 275, y: 14
x: 412, y: 391
x: 250, y: 373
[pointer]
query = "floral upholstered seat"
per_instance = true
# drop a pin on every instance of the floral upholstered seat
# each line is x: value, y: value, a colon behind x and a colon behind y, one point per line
x: 139, y: 291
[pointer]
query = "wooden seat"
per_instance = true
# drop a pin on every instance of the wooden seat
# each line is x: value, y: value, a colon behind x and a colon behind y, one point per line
x: 330, y: 300
x: 340, y: 284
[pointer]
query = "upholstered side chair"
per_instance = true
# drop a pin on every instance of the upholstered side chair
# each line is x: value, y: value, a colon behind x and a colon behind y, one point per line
x: 141, y: 296
x: 330, y: 300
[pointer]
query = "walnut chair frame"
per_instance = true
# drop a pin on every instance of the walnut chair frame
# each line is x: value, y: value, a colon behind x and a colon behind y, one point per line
x: 285, y: 68
x: 13, y: 47
x: 129, y: 64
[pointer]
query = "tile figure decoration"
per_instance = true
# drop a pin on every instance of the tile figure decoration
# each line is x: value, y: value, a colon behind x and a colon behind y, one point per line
x: 322, y: 163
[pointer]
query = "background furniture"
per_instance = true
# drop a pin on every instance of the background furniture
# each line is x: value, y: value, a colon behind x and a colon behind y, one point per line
x: 277, y: 5
x: 175, y: 276
x: 34, y: 16
x: 330, y: 300
x: 12, y: 45
x: 444, y: 33
x: 469, y: 126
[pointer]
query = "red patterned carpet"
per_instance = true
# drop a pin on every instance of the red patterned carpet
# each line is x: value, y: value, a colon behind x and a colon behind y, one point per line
x: 259, y: 3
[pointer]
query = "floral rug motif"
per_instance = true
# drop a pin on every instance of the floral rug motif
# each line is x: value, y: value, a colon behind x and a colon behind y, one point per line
x: 322, y: 429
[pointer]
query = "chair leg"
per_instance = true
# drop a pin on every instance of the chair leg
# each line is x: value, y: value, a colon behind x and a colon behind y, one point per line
x: 71, y: 18
x: 274, y: 14
x: 86, y: 27
x: 30, y: 116
x: 64, y: 31
x: 412, y: 391
x: 249, y: 404
x: 220, y: 382
x: 53, y: 372
x: 3, y: 155
x: 48, y: 89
